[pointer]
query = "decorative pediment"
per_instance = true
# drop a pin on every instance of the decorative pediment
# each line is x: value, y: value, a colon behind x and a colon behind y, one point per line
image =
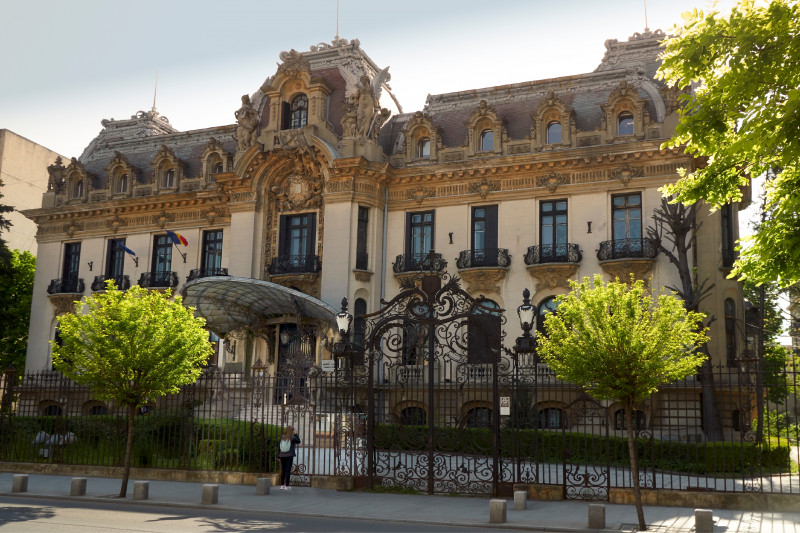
x: 215, y: 159
x: 552, y: 180
x: 121, y: 175
x: 552, y: 109
x: 168, y: 170
x: 624, y: 99
x: 482, y: 121
x: 78, y: 182
x: 419, y: 128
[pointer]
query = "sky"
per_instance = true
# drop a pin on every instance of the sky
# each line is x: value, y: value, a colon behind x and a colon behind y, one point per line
x: 69, y: 64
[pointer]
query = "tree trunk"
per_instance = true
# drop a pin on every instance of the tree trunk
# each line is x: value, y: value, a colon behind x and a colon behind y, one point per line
x: 632, y: 451
x: 123, y: 491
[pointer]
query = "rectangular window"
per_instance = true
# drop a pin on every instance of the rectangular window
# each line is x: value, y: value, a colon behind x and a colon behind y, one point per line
x: 419, y: 235
x: 728, y: 244
x: 298, y: 243
x: 483, y: 236
x: 627, y: 216
x: 162, y: 261
x: 553, y: 230
x: 115, y: 260
x: 211, y: 260
x: 71, y: 267
x: 361, y: 238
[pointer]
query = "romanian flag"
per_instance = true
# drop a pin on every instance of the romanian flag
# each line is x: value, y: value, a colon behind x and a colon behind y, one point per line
x: 177, y: 238
x: 122, y: 246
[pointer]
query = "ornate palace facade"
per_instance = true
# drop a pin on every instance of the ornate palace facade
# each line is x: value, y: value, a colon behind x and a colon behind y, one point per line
x: 326, y: 185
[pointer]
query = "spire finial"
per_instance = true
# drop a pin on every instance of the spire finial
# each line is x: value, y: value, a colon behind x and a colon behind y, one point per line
x: 646, y: 26
x: 155, y: 92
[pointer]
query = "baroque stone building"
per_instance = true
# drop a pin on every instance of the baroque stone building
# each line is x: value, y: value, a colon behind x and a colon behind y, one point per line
x: 326, y: 185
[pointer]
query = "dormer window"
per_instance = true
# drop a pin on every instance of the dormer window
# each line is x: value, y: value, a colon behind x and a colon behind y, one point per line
x: 554, y: 132
x: 424, y: 148
x: 122, y: 184
x: 487, y: 140
x: 79, y: 189
x: 299, y: 111
x: 625, y: 123
x: 169, y: 178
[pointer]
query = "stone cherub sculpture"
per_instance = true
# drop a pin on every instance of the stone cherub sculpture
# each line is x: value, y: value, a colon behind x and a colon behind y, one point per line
x: 247, y: 117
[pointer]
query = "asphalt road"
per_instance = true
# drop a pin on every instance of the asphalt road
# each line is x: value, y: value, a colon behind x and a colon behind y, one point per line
x: 24, y: 515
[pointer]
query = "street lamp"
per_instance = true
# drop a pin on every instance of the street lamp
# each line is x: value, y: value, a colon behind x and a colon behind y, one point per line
x: 526, y: 311
x: 343, y: 320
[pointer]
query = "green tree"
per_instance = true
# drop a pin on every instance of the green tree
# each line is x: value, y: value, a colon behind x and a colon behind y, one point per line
x: 16, y: 293
x: 130, y: 347
x: 743, y: 117
x: 620, y: 342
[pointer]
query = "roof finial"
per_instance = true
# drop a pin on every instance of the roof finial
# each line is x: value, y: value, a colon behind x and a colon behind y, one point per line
x: 155, y: 91
x: 337, y: 20
x: 646, y: 27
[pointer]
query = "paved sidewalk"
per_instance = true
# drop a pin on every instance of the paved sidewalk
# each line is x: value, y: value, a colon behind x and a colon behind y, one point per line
x: 470, y: 512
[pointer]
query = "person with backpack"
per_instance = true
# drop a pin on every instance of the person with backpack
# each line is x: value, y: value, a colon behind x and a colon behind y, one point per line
x: 286, y: 455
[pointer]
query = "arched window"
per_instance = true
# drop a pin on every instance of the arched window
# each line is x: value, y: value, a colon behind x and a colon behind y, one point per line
x: 122, y: 185
x: 730, y: 332
x: 554, y: 132
x: 479, y: 417
x: 217, y: 168
x: 299, y: 111
x: 487, y: 141
x: 625, y: 123
x: 484, y: 324
x: 552, y: 418
x: 413, y: 416
x: 548, y: 305
x: 424, y: 148
x: 79, y: 189
x: 51, y: 409
x: 639, y: 420
x: 169, y: 178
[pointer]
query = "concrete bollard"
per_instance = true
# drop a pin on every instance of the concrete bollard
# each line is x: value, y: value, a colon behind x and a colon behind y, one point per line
x: 520, y: 500
x: 597, y: 516
x: 19, y: 483
x: 703, y: 521
x: 262, y: 486
x: 141, y: 490
x: 78, y: 486
x: 497, y: 511
x: 210, y: 494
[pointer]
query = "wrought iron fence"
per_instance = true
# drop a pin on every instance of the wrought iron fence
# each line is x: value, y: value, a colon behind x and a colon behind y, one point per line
x: 70, y: 284
x: 123, y: 282
x: 158, y: 279
x: 295, y: 264
x: 196, y: 273
x: 627, y: 249
x: 546, y: 431
x: 431, y: 262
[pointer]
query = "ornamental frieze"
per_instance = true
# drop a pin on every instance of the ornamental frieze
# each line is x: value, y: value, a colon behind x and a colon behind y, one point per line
x: 552, y: 180
x: 419, y: 194
x: 626, y: 173
x: 484, y: 187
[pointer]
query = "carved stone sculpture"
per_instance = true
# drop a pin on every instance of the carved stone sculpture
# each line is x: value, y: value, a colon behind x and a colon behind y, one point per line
x: 367, y: 107
x: 247, y: 117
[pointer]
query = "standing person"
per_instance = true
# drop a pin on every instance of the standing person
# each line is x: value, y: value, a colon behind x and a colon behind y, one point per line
x: 286, y: 454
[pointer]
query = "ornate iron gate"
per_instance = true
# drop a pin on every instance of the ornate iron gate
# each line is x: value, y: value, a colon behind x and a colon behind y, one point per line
x: 432, y: 357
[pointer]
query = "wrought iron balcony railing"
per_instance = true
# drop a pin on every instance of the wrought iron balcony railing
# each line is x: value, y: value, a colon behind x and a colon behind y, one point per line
x: 553, y: 253
x: 627, y: 249
x: 431, y: 262
x: 123, y: 282
x: 362, y: 260
x: 70, y: 284
x: 206, y: 272
x: 489, y: 257
x: 295, y: 264
x: 158, y: 280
